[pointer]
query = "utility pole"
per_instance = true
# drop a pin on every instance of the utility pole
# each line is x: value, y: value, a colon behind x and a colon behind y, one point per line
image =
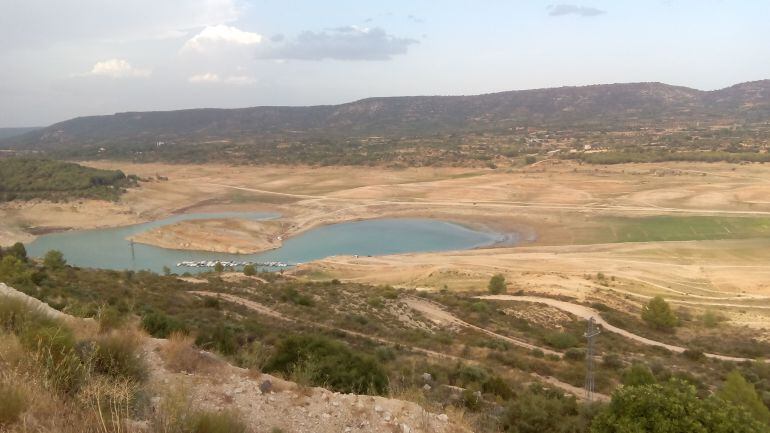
x: 133, y: 255
x: 591, y: 332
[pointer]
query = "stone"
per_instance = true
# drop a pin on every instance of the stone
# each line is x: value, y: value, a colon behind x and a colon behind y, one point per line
x: 266, y: 387
x: 405, y: 429
x: 426, y: 387
x: 378, y: 408
x: 443, y: 417
x: 427, y: 377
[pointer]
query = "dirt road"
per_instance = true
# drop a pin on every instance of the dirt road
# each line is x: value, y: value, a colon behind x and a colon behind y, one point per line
x: 586, y: 313
x: 259, y: 308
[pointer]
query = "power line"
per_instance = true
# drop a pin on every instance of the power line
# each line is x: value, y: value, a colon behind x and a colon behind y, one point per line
x: 591, y: 332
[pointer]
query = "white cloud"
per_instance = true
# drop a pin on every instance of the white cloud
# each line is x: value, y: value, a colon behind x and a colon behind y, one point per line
x: 220, y: 35
x: 84, y: 21
x: 118, y: 68
x: 204, y: 78
x: 210, y: 78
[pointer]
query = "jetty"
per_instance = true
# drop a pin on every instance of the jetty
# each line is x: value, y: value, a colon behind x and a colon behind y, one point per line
x: 228, y: 264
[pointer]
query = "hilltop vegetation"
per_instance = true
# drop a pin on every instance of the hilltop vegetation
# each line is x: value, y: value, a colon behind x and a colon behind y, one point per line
x: 354, y: 337
x: 24, y: 179
x: 635, y: 122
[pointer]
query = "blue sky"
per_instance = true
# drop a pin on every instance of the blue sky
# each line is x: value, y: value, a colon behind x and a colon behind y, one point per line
x: 65, y: 58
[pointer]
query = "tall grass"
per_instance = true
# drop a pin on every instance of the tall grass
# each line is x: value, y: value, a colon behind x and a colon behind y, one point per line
x: 13, y: 402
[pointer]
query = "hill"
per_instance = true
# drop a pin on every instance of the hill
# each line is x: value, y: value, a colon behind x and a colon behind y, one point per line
x: 14, y: 132
x: 22, y: 178
x: 378, y: 128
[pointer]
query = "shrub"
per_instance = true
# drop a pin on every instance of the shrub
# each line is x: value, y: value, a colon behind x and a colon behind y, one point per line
x: 694, y: 355
x: 575, y: 354
x: 671, y: 408
x: 612, y: 360
x: 561, y: 340
x: 738, y: 391
x: 179, y: 354
x: 496, y: 284
x: 249, y: 270
x: 638, y: 374
x: 13, y: 402
x: 109, y: 318
x: 658, y: 315
x: 117, y: 355
x: 160, y: 325
x: 54, y: 260
x: 497, y: 386
x: 216, y: 422
x: 335, y: 365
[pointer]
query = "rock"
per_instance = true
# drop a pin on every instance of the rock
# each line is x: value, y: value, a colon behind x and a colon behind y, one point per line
x: 378, y: 408
x: 325, y: 416
x: 427, y: 377
x: 426, y: 387
x: 405, y: 429
x: 387, y: 416
x: 335, y: 403
x: 238, y: 390
x: 443, y: 417
x: 266, y: 387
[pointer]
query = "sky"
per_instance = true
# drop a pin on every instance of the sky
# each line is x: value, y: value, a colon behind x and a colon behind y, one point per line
x: 61, y: 59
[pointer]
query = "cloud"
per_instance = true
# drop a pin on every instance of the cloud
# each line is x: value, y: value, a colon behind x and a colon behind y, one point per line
x: 212, y: 78
x: 342, y: 43
x: 240, y: 80
x: 204, y: 78
x: 87, y: 21
x: 212, y: 37
x: 567, y: 9
x: 118, y: 68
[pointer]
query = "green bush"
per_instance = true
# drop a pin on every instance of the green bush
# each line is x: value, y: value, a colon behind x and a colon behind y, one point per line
x: 496, y: 385
x: 13, y: 403
x: 638, y: 374
x: 658, y: 315
x: 561, y: 340
x: 575, y: 354
x: 496, y: 284
x: 334, y: 365
x: 160, y: 325
x: 249, y: 270
x: 671, y: 408
x: 54, y: 260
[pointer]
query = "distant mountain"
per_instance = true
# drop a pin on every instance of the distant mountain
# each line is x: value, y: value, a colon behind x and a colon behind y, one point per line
x: 598, y: 107
x: 14, y: 132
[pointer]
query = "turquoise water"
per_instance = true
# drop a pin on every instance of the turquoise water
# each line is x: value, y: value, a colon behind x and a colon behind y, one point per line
x: 109, y: 249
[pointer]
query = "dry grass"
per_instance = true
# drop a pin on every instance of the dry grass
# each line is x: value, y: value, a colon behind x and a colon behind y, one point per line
x: 180, y: 354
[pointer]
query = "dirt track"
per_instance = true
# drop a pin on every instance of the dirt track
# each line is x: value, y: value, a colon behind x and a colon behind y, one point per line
x: 587, y: 313
x: 261, y: 309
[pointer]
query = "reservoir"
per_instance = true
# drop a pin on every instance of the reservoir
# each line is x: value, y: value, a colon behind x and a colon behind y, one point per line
x: 109, y: 248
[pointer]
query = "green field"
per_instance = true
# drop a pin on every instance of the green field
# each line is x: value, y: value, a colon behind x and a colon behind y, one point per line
x: 675, y: 228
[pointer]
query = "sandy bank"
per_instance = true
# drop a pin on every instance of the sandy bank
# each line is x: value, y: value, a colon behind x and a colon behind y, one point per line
x: 233, y: 236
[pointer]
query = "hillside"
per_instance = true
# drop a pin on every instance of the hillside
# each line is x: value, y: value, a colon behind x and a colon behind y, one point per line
x: 13, y: 132
x: 54, y: 180
x: 377, y: 127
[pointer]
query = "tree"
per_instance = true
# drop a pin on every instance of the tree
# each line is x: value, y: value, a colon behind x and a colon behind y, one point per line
x: 54, y: 260
x: 496, y: 284
x: 17, y: 250
x: 671, y: 408
x: 249, y: 270
x: 218, y: 267
x: 738, y: 391
x: 14, y: 272
x: 657, y: 313
x: 166, y: 271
